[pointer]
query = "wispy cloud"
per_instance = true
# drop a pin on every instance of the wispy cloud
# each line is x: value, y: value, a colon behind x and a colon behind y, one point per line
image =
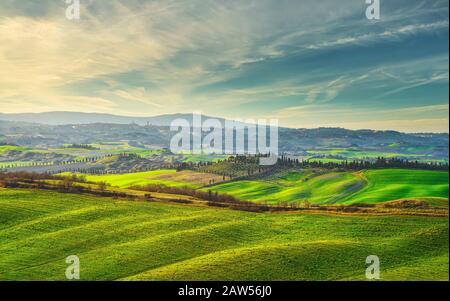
x: 368, y: 38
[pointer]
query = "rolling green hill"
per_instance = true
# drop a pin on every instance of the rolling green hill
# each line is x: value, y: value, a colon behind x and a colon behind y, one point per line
x: 137, y: 178
x: 121, y: 239
x: 168, y: 177
x: 356, y: 153
x: 392, y: 184
x: 312, y: 185
x: 369, y: 186
x: 6, y: 148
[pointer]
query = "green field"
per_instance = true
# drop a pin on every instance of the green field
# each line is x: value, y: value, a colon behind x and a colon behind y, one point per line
x: 326, y: 160
x: 167, y: 177
x: 121, y: 239
x: 118, y: 147
x: 313, y: 185
x: 113, y: 148
x: 6, y: 148
x: 392, y: 184
x: 370, y: 186
x: 202, y: 158
x: 351, y: 153
x: 138, y: 179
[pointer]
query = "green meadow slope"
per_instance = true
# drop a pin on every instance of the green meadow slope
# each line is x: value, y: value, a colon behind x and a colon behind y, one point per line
x: 129, y: 240
x: 133, y: 179
x: 315, y: 186
x: 392, y: 184
x: 370, y: 186
x: 167, y: 177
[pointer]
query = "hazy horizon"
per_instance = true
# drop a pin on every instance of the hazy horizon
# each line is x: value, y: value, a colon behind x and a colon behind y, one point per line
x: 208, y: 116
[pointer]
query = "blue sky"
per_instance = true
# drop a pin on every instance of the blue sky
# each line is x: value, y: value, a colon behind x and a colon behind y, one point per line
x: 306, y: 63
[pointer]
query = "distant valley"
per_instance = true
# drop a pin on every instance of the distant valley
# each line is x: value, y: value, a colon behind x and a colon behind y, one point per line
x: 55, y: 129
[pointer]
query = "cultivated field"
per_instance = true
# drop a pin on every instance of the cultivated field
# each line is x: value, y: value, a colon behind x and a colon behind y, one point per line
x: 392, y: 184
x: 118, y: 239
x: 316, y: 186
x: 355, y: 153
x: 370, y: 186
x: 168, y: 177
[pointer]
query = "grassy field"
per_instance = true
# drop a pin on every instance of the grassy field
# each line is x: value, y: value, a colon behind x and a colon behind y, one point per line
x: 81, y: 153
x: 129, y: 240
x: 202, y: 158
x: 351, y: 153
x: 6, y: 148
x: 369, y: 186
x: 312, y: 185
x: 326, y: 160
x: 168, y: 177
x: 113, y: 148
x: 392, y: 184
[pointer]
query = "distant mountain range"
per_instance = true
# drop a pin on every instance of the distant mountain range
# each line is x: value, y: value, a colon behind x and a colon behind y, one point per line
x: 72, y: 118
x: 58, y: 128
x: 62, y: 118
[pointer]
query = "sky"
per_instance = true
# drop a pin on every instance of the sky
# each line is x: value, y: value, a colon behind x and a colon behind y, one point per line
x: 306, y: 63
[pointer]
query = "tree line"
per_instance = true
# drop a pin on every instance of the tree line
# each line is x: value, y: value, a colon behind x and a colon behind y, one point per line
x: 83, y: 146
x: 380, y: 162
